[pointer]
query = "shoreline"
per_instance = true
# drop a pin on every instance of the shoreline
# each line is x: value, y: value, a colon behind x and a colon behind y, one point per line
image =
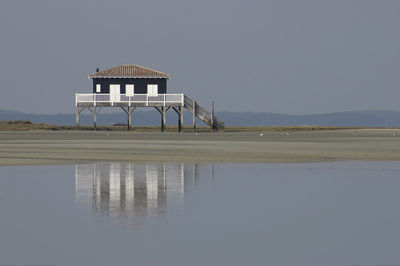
x: 70, y: 147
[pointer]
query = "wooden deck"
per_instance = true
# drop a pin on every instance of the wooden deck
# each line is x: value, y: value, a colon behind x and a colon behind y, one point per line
x: 162, y: 103
x: 140, y: 100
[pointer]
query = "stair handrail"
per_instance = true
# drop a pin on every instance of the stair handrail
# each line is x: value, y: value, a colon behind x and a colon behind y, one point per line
x: 202, y: 112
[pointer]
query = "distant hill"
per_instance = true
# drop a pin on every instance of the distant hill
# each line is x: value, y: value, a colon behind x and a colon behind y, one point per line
x: 6, y: 112
x: 354, y: 118
x: 146, y: 118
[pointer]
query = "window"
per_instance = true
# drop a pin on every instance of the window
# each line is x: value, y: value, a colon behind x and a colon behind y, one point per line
x: 129, y: 89
x: 98, y: 88
x: 152, y: 89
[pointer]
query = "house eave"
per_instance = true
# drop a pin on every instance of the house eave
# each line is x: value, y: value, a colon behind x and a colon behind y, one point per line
x: 127, y: 77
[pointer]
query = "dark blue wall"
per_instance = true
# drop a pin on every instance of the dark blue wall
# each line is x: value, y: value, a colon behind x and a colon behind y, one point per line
x: 140, y: 84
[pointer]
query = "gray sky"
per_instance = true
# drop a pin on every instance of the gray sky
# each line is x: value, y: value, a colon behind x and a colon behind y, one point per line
x: 286, y: 56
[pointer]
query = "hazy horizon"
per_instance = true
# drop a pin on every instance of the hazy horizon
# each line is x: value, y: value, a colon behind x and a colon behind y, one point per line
x: 119, y: 110
x: 287, y: 57
x: 150, y: 109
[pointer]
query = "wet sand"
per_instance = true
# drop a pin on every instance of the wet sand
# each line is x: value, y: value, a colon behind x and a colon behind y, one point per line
x: 62, y: 147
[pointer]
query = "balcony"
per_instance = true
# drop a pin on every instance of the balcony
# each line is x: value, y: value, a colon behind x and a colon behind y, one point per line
x: 101, y: 99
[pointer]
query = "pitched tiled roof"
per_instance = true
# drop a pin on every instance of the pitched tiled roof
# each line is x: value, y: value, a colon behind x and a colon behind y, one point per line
x: 129, y: 71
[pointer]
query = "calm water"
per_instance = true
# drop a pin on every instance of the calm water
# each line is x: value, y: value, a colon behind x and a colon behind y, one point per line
x: 344, y: 213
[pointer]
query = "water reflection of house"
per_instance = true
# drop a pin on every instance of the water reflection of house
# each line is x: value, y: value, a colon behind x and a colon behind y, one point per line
x: 122, y: 190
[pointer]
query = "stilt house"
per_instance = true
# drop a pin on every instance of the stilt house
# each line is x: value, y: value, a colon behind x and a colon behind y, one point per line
x: 133, y: 86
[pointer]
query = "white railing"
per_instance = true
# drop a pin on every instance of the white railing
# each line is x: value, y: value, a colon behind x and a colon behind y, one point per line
x: 123, y: 98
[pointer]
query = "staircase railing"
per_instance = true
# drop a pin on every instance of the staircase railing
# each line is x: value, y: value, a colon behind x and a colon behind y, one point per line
x: 202, y: 113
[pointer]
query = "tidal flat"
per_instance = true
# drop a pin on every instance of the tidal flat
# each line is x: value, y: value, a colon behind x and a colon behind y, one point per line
x: 65, y: 147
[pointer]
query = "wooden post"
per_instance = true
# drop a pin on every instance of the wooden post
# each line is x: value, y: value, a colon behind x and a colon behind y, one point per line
x: 94, y: 117
x: 129, y: 118
x: 194, y: 116
x: 161, y: 111
x: 77, y: 116
x: 162, y: 118
x: 179, y: 111
x: 212, y: 116
x: 180, y: 121
x: 132, y: 109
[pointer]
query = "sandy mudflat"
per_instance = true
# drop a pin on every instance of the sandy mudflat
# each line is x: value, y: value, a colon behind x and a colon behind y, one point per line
x: 58, y: 147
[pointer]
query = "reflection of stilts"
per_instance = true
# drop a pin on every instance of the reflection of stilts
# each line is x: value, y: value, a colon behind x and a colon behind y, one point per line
x: 129, y: 190
x: 122, y: 190
x: 182, y: 176
x: 212, y: 174
x: 194, y: 175
x: 154, y: 188
x: 114, y: 188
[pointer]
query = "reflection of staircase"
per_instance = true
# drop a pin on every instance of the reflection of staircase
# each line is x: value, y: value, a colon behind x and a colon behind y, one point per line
x: 203, y: 114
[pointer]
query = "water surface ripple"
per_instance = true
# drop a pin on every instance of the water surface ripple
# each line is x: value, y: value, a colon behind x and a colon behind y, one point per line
x: 338, y: 213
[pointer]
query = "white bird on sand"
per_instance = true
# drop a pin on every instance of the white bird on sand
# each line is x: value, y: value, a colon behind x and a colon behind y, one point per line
x: 107, y: 134
x: 262, y: 134
x: 355, y: 132
x: 394, y: 134
x: 196, y: 133
x: 287, y: 133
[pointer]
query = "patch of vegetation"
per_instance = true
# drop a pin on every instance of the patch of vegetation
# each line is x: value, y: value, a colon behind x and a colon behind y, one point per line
x: 15, y: 122
x: 25, y: 125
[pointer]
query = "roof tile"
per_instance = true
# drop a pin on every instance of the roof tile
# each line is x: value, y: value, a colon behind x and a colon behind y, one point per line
x: 129, y: 71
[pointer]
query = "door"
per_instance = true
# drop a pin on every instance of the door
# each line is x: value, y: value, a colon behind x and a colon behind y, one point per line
x: 152, y: 89
x: 129, y: 89
x: 115, y: 91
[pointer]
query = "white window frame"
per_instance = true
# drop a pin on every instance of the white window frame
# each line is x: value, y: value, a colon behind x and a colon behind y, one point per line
x: 152, y: 89
x: 129, y: 93
x: 98, y: 88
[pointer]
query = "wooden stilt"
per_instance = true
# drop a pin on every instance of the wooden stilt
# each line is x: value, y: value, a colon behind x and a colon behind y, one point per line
x: 77, y: 116
x: 128, y: 111
x: 161, y: 110
x: 94, y: 117
x: 180, y: 122
x: 194, y: 116
x: 212, y: 116
x: 179, y: 111
x: 131, y: 111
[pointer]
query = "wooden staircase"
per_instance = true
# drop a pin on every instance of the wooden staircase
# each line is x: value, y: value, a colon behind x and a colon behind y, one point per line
x: 203, y: 114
